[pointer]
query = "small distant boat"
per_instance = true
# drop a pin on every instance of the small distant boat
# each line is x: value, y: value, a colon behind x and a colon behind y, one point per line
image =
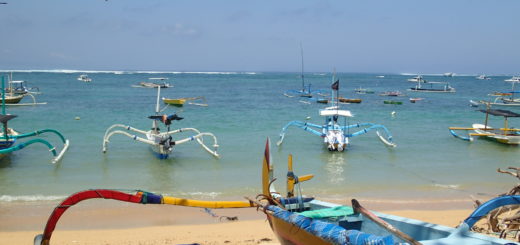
x: 347, y: 100
x: 413, y: 100
x: 381, y: 76
x: 483, y: 77
x: 363, y: 91
x: 84, y: 78
x: 416, y: 79
x: 322, y: 101
x: 181, y: 101
x: 156, y: 82
x: 514, y: 79
x: 393, y: 102
x: 391, y: 93
x: 443, y: 88
x: 448, y: 74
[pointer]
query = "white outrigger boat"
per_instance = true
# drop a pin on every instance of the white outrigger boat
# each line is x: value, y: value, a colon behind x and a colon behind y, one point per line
x: 505, y: 135
x: 336, y: 130
x: 161, y: 143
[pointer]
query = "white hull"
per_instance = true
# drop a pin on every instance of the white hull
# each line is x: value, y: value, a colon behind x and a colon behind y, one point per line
x: 488, y: 132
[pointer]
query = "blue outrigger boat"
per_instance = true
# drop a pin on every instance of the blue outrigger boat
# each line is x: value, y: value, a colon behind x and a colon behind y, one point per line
x: 336, y: 129
x: 296, y: 219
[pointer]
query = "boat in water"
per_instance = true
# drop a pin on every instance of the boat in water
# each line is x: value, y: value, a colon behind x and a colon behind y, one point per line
x: 305, y: 91
x: 179, y: 102
x: 392, y: 93
x: 483, y: 77
x: 84, y: 78
x: 161, y: 143
x: 392, y: 102
x: 504, y: 135
x: 336, y: 129
x: 10, y: 138
x: 155, y: 82
x: 514, y: 79
x: 361, y: 90
x: 417, y: 79
x: 436, y: 87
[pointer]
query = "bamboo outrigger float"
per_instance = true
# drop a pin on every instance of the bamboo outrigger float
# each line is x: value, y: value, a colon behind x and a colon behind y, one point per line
x: 505, y: 135
x: 336, y: 130
x: 161, y: 143
x: 9, y: 137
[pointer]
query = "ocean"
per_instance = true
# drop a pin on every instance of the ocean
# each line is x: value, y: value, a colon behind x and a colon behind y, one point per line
x: 245, y: 108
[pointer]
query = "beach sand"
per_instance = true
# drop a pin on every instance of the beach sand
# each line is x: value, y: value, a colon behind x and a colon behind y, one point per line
x: 111, y: 222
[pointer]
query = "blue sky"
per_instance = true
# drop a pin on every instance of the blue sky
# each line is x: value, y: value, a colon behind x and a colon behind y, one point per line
x: 461, y: 36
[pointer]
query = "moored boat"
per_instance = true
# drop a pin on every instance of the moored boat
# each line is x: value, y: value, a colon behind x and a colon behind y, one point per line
x: 161, y: 143
x: 392, y: 102
x: 84, y: 78
x: 514, y: 79
x: 349, y: 100
x: 336, y: 131
x: 505, y: 135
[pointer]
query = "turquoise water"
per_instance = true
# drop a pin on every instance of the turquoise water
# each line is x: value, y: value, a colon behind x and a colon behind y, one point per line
x: 244, y: 109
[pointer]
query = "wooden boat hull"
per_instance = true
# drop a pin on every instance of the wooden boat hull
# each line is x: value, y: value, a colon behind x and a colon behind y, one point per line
x: 174, y: 102
x: 12, y: 99
x: 346, y: 100
x: 392, y: 102
x: 289, y: 234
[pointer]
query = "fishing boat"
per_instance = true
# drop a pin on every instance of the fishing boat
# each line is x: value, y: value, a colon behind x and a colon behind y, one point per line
x: 336, y: 130
x: 350, y: 101
x: 416, y: 79
x: 392, y: 102
x: 361, y: 90
x: 514, y: 79
x: 392, y: 93
x: 413, y: 100
x: 438, y: 87
x: 161, y: 143
x: 448, y: 74
x: 305, y: 90
x: 181, y: 101
x: 84, y: 78
x: 154, y: 82
x: 483, y: 77
x: 505, y: 135
x: 302, y: 220
x: 9, y: 138
x: 11, y: 98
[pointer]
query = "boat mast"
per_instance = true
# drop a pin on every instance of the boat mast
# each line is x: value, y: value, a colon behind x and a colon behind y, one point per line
x: 154, y: 123
x: 303, y: 80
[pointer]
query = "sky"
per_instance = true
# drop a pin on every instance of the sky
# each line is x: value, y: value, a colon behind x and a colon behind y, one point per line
x: 390, y: 36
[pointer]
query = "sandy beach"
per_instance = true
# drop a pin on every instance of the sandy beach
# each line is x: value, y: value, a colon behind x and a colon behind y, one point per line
x: 110, y: 222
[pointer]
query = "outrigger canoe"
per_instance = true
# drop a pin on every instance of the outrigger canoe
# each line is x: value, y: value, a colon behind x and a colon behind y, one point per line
x: 300, y: 220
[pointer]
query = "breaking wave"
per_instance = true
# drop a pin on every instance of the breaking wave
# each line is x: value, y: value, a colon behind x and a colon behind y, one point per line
x: 29, y: 198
